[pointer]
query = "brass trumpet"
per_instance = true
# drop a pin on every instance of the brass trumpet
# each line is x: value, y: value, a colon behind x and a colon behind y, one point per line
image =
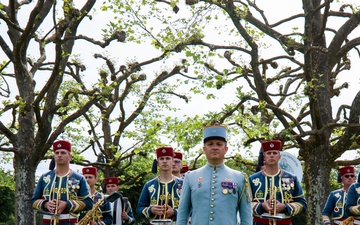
x: 55, y: 221
x: 272, y: 201
x: 348, y: 221
x: 164, y: 201
x: 166, y: 204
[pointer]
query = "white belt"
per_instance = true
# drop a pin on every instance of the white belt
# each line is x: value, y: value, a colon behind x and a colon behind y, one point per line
x: 356, y: 222
x: 61, y: 217
x: 337, y: 221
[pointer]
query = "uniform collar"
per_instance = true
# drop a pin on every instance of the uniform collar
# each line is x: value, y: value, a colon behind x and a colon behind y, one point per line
x: 220, y: 166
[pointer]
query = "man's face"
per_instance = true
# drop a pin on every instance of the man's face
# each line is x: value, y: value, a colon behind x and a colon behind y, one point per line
x: 176, y: 165
x: 62, y: 157
x: 91, y: 179
x: 348, y: 178
x: 272, y: 157
x: 215, y: 150
x: 165, y: 163
x: 111, y: 188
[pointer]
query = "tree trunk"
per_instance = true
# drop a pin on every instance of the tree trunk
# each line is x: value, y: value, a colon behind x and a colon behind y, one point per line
x: 317, y: 182
x: 25, y: 184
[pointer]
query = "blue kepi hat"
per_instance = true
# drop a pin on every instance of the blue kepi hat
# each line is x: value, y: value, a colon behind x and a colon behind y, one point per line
x: 212, y: 132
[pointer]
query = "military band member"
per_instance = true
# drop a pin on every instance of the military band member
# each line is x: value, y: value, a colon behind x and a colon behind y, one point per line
x: 61, y: 191
x: 177, y: 164
x: 159, y: 197
x: 121, y: 209
x: 184, y: 170
x: 102, y: 215
x: 215, y: 193
x: 352, y: 205
x: 274, y: 190
x: 335, y: 205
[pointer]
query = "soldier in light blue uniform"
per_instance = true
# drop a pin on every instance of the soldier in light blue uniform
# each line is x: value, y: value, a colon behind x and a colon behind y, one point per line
x: 159, y: 198
x: 61, y: 191
x: 277, y: 194
x: 215, y: 193
x: 335, y: 205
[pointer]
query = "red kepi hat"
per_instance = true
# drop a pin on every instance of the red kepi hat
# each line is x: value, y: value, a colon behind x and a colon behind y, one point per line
x: 184, y: 169
x: 272, y: 145
x: 112, y: 180
x: 62, y: 144
x: 162, y: 151
x: 89, y: 170
x: 178, y: 155
x: 346, y: 169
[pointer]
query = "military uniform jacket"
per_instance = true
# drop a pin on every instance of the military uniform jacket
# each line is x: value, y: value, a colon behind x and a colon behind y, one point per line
x: 353, y: 201
x: 103, y: 215
x: 71, y: 187
x: 214, y: 195
x: 154, y: 193
x: 335, y: 206
x: 288, y: 192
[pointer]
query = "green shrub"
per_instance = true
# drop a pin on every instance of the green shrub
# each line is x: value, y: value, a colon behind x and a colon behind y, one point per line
x: 7, y: 206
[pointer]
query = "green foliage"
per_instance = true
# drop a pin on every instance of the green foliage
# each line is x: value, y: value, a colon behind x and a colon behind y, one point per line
x: 299, y: 219
x: 7, y: 196
x: 7, y: 179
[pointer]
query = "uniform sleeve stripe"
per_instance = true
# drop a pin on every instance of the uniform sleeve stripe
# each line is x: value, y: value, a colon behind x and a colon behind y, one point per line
x: 38, y: 204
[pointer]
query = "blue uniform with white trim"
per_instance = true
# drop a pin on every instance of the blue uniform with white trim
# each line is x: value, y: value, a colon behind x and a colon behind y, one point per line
x: 353, y: 202
x: 335, y: 207
x: 72, y: 188
x: 288, y: 192
x: 154, y: 193
x: 214, y: 195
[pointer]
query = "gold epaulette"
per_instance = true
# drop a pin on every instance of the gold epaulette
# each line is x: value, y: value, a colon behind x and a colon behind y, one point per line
x: 246, y: 188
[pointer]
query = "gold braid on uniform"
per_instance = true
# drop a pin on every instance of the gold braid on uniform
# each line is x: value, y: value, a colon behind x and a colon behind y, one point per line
x: 76, y: 206
x: 355, y: 210
x: 146, y: 212
x: 348, y: 221
x: 38, y: 204
x: 246, y: 188
x: 326, y: 218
